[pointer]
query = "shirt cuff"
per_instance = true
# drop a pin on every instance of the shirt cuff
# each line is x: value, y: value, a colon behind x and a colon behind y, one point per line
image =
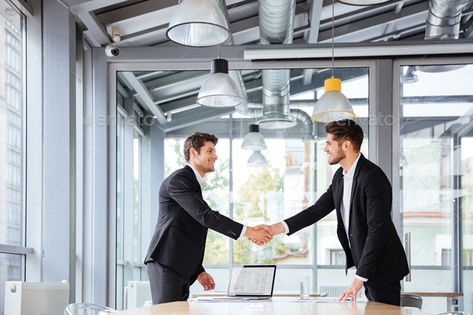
x: 361, y: 278
x: 286, y: 228
x: 243, y: 231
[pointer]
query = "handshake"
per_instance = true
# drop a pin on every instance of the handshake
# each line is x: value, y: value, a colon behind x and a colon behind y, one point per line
x: 261, y: 234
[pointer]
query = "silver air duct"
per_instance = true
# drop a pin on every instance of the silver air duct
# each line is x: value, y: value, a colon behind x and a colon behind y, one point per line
x: 309, y: 127
x: 443, y: 20
x: 276, y: 19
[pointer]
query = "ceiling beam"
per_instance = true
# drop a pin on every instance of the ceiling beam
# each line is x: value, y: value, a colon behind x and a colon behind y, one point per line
x: 195, y: 116
x: 94, y: 28
x: 365, y: 50
x: 143, y: 95
x: 366, y: 27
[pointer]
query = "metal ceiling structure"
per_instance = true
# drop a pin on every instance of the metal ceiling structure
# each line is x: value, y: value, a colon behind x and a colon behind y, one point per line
x: 166, y: 94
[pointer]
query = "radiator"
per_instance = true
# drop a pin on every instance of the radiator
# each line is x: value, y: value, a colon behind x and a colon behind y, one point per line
x: 40, y: 298
x: 138, y: 292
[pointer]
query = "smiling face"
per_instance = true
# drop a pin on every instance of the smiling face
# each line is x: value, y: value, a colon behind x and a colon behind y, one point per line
x: 204, y: 161
x: 334, y: 150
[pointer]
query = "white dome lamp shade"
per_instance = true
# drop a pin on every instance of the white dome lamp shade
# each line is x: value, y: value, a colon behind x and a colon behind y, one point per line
x: 257, y: 160
x: 254, y: 139
x: 219, y: 89
x: 333, y: 105
x: 198, y: 23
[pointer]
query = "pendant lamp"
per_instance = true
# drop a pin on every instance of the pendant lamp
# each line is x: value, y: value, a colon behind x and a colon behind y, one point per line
x: 219, y: 89
x: 254, y: 139
x: 333, y: 105
x: 198, y: 23
x: 257, y: 159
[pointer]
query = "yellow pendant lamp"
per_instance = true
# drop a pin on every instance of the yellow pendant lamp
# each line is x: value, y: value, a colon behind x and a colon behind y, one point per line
x: 333, y: 105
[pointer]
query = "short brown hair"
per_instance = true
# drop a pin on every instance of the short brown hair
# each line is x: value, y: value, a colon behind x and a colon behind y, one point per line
x: 197, y: 140
x: 346, y: 129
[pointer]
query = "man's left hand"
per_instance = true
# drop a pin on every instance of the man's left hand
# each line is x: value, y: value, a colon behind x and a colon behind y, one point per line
x: 352, y: 291
x: 206, y: 281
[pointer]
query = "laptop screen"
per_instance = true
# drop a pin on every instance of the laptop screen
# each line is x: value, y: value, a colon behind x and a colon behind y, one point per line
x: 252, y: 280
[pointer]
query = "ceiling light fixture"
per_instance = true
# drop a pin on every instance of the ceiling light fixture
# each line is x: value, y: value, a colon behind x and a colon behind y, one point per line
x: 198, y: 23
x: 333, y: 105
x: 257, y: 159
x: 254, y: 139
x: 219, y: 89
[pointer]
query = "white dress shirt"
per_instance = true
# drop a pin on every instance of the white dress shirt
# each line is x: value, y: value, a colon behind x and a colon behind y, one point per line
x: 201, y: 180
x: 346, y: 202
x: 347, y: 187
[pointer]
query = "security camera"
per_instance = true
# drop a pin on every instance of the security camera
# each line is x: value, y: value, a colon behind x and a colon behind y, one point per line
x: 112, y: 51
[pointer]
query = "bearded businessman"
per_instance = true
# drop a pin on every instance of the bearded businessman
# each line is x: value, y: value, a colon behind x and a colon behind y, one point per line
x: 361, y: 195
x: 176, y: 252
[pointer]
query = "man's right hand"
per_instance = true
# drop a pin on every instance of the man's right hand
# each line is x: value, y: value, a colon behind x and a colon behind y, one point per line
x: 260, y: 234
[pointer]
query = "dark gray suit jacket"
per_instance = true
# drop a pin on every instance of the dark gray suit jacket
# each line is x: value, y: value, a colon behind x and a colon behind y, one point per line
x: 184, y: 217
x: 374, y: 248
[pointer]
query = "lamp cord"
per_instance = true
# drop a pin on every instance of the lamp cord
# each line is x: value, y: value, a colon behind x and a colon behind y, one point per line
x: 333, y: 38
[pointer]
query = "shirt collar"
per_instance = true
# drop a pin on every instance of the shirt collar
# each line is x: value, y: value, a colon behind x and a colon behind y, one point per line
x: 351, y: 171
x: 200, y: 178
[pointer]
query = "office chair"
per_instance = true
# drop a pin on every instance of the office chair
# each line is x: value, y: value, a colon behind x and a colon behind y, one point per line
x: 411, y: 300
x: 87, y: 309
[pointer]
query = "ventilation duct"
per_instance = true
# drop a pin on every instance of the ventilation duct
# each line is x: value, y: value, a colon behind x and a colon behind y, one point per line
x: 276, y: 19
x: 443, y: 22
x: 309, y: 127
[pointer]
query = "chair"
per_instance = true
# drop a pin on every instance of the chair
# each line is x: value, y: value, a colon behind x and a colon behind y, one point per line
x: 411, y: 300
x: 87, y: 309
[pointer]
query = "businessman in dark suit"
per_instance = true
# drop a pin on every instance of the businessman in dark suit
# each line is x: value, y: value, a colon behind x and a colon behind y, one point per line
x: 175, y: 254
x: 361, y: 195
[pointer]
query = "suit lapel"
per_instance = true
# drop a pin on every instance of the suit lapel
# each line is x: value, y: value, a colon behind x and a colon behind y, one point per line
x: 355, y: 182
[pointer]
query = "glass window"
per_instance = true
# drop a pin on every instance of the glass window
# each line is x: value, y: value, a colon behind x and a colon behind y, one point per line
x: 216, y: 193
x: 136, y: 217
x: 435, y: 171
x: 271, y: 193
x: 12, y: 150
x: 120, y: 208
x: 296, y: 174
x: 11, y: 123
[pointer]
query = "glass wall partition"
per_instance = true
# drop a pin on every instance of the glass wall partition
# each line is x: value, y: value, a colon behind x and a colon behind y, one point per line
x: 129, y: 195
x: 435, y: 159
x: 295, y: 175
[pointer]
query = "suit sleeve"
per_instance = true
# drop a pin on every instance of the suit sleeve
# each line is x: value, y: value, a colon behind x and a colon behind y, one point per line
x: 378, y: 208
x: 197, y: 273
x: 314, y: 213
x: 184, y: 191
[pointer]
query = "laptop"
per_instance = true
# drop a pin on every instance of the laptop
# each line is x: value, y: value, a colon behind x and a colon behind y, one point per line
x: 251, y: 282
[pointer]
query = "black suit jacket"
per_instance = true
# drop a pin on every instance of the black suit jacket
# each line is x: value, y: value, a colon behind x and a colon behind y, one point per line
x: 374, y: 248
x: 183, y: 220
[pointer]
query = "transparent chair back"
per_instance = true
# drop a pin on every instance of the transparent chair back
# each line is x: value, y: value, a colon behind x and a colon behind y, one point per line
x: 87, y: 309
